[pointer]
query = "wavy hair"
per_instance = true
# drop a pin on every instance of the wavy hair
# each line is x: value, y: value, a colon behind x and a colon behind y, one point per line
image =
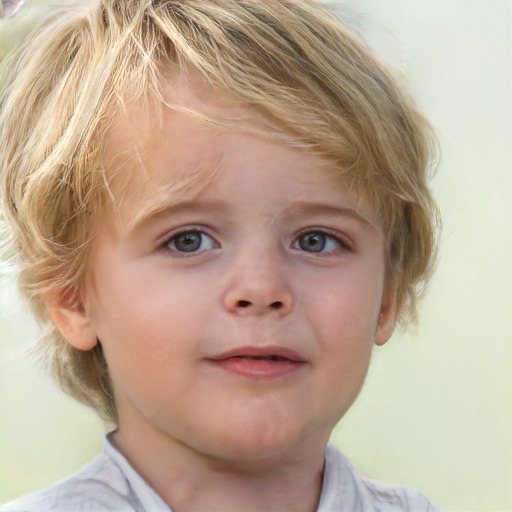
x: 292, y: 62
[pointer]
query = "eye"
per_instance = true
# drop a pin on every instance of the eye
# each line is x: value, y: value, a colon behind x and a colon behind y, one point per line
x: 190, y: 241
x: 318, y: 242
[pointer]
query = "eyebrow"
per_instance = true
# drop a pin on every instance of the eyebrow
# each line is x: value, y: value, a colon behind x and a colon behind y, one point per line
x: 157, y: 211
x: 215, y: 206
x: 306, y: 208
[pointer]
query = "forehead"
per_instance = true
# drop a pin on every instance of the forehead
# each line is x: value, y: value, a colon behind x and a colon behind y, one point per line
x: 175, y: 157
x: 137, y: 162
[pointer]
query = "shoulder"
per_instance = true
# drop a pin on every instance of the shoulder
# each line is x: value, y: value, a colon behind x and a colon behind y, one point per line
x: 397, y: 497
x: 98, y: 487
x: 345, y: 489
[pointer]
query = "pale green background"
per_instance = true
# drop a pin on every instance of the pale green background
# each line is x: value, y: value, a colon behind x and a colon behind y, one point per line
x: 435, y: 412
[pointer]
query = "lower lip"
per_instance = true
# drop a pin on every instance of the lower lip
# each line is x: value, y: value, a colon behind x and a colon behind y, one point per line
x: 258, y: 369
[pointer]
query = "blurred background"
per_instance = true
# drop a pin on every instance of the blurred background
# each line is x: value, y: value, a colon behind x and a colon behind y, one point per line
x: 436, y: 410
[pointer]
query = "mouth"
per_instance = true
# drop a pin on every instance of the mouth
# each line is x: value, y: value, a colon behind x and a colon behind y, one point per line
x: 260, y: 363
x: 264, y: 358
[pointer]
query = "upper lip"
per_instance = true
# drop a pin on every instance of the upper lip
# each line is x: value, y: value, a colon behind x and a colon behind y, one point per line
x: 256, y: 352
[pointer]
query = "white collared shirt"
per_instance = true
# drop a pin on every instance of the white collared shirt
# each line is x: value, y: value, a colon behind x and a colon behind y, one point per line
x: 110, y: 483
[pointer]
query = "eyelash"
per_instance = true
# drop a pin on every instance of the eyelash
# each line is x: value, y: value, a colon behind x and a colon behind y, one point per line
x: 328, y: 237
x: 165, y: 246
x: 341, y: 244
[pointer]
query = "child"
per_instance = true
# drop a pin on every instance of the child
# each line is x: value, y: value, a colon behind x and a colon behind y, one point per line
x: 217, y: 207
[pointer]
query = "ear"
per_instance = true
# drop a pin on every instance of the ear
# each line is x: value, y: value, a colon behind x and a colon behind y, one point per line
x: 387, y: 319
x: 71, y: 318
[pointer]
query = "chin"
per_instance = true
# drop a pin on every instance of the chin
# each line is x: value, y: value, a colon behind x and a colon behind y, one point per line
x: 261, y: 445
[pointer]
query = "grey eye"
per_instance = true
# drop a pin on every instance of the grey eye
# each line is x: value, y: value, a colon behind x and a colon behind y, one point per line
x: 191, y: 241
x: 313, y: 242
x: 317, y: 242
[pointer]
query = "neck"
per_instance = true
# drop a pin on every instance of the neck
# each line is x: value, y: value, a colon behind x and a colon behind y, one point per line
x: 190, y: 481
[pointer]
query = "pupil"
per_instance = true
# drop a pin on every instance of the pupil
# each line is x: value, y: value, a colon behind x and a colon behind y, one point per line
x: 314, y: 242
x: 188, y: 242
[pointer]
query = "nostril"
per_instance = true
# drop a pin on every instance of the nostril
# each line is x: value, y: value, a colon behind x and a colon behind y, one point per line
x: 247, y: 303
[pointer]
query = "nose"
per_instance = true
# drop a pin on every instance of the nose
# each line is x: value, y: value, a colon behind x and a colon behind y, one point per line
x: 259, y: 285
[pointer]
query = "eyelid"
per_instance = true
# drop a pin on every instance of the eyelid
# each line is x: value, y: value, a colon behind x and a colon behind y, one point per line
x: 343, y: 240
x: 163, y: 242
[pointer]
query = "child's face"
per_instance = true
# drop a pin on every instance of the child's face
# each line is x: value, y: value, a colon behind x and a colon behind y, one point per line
x: 237, y: 321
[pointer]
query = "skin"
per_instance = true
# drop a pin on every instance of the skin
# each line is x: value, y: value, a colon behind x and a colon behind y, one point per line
x: 272, y: 255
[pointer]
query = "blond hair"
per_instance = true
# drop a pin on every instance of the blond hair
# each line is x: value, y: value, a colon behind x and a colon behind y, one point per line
x: 295, y: 64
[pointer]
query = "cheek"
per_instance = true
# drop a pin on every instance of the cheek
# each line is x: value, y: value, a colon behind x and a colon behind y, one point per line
x: 145, y: 316
x: 145, y: 337
x: 344, y: 320
x: 348, y: 308
x: 345, y: 337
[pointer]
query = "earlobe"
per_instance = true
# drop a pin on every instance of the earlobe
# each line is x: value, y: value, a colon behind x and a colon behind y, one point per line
x: 386, y: 321
x: 71, y: 319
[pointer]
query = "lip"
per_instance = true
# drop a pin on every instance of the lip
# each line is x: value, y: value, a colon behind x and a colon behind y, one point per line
x: 259, y: 363
x: 254, y: 351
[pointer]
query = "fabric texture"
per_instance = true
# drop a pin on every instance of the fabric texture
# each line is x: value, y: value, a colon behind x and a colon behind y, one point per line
x: 110, y: 483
